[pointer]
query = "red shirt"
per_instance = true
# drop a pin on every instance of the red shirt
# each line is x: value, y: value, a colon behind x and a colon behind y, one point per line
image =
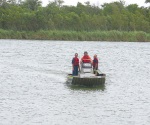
x: 95, y: 62
x: 86, y: 59
x: 75, y: 61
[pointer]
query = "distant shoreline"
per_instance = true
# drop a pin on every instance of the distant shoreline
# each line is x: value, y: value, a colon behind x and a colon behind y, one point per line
x: 118, y: 36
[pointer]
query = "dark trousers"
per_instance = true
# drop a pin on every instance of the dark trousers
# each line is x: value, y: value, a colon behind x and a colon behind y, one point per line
x: 75, y: 71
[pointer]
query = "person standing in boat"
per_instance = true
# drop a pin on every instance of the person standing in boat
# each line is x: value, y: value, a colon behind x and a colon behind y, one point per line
x: 95, y: 63
x: 86, y: 58
x: 75, y: 65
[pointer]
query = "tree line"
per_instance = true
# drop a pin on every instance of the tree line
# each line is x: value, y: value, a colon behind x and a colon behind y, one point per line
x: 30, y: 15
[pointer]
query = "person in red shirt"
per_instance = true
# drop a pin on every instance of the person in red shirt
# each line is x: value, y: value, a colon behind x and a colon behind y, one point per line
x: 86, y: 58
x: 95, y: 63
x: 75, y: 65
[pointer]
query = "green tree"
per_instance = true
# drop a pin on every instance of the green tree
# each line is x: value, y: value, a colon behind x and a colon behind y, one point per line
x: 59, y: 2
x: 2, y: 2
x: 29, y: 15
x: 112, y: 8
x: 32, y: 4
x: 12, y: 1
x: 132, y: 8
x: 147, y: 1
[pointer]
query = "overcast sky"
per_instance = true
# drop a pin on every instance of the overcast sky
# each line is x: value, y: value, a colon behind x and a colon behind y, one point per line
x: 97, y: 2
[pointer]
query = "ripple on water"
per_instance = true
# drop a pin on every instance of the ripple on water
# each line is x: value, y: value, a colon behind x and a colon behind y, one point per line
x: 33, y: 85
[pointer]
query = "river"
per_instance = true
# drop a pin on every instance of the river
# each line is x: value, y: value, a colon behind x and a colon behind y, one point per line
x: 33, y: 88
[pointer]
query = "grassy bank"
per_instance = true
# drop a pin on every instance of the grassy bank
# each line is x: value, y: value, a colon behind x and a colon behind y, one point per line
x: 136, y: 36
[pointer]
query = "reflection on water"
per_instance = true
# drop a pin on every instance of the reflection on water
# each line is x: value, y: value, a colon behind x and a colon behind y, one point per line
x: 34, y: 91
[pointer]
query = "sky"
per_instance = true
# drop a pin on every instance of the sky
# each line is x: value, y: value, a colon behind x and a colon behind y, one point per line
x: 98, y: 2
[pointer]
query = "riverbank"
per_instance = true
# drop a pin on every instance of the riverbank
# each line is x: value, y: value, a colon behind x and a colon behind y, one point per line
x: 136, y: 36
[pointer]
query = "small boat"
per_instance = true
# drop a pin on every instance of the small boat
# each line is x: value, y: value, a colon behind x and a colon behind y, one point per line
x: 87, y: 77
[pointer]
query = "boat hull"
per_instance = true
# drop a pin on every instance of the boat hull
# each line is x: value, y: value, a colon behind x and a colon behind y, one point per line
x: 87, y: 81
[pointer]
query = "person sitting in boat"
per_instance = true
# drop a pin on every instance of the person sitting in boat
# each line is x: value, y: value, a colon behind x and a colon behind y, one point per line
x: 75, y: 65
x: 95, y: 63
x: 86, y: 58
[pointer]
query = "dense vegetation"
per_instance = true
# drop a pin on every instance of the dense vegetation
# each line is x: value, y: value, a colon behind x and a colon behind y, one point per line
x: 28, y: 20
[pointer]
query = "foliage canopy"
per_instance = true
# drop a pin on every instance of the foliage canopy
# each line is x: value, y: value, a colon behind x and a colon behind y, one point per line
x: 29, y: 15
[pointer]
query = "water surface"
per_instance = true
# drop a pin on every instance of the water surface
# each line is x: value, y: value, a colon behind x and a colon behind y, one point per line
x: 33, y: 85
